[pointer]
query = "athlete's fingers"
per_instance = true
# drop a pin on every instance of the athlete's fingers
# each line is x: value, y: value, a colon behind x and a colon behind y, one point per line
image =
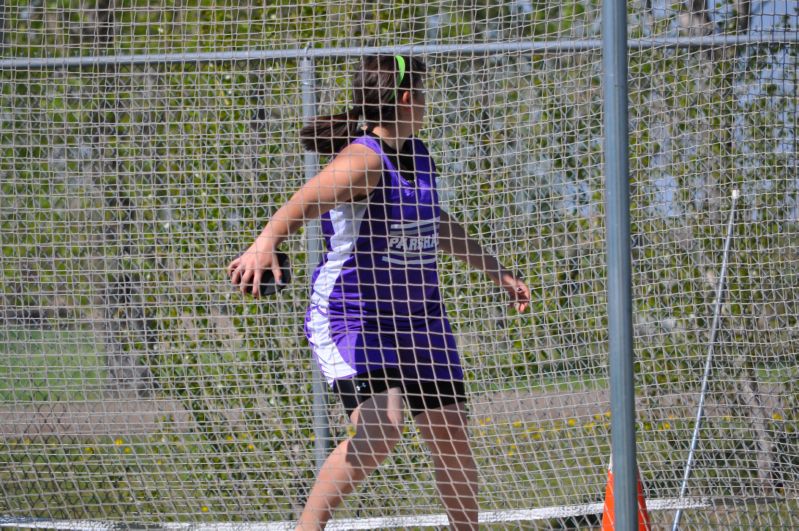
x: 256, y: 283
x: 239, y: 266
x: 277, y: 272
x: 523, y: 292
x: 519, y: 305
x: 235, y: 275
x: 520, y: 294
x: 240, y: 271
x: 525, y: 301
x: 245, y: 280
x: 231, y: 268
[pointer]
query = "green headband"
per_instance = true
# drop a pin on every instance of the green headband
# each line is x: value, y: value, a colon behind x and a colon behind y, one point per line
x: 401, y: 67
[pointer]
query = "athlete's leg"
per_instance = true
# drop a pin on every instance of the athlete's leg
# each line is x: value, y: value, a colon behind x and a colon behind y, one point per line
x: 378, y: 429
x: 445, y: 433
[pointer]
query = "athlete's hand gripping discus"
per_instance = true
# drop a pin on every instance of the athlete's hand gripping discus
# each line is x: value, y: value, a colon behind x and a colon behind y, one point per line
x: 268, y: 285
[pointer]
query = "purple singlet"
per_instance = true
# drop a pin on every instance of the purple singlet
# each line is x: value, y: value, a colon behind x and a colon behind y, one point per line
x: 375, y: 299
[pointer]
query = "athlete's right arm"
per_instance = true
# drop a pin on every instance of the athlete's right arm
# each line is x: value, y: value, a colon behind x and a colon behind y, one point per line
x: 351, y: 175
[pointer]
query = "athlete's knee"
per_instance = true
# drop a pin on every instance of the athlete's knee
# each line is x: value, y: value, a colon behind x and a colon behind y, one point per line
x: 386, y: 431
x: 393, y: 425
x: 447, y: 437
x: 373, y: 442
x: 369, y: 453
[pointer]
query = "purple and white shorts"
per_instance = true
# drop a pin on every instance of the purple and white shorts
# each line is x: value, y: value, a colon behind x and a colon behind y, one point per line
x: 361, y: 356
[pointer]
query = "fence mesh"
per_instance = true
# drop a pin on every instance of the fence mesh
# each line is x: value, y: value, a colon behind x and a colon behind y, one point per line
x: 136, y: 386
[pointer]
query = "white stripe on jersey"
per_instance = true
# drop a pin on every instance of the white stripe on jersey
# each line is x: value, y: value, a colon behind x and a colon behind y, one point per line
x: 415, y: 224
x: 346, y: 219
x: 403, y: 261
x: 331, y: 362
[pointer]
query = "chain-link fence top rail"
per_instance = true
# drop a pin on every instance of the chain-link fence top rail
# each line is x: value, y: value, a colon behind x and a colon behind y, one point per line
x: 137, y: 386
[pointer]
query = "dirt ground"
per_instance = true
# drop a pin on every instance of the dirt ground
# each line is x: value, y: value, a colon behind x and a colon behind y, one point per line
x: 137, y: 416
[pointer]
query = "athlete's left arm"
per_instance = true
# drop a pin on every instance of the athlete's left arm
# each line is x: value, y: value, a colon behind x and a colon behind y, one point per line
x: 454, y: 240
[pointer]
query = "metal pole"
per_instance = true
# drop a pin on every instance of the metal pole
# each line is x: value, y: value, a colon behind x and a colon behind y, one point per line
x: 559, y: 46
x: 622, y: 396
x: 709, y: 359
x: 3, y: 26
x: 321, y: 427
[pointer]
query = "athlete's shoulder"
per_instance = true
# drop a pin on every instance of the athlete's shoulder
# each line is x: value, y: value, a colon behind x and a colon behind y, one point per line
x: 361, y: 155
x: 366, y: 141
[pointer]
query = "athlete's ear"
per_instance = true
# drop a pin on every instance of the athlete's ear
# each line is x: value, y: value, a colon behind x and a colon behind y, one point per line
x: 406, y: 98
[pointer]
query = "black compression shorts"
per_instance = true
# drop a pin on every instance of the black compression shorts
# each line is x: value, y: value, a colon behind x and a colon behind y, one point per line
x: 419, y: 395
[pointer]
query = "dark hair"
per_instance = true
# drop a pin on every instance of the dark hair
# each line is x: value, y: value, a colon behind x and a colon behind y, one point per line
x: 374, y: 87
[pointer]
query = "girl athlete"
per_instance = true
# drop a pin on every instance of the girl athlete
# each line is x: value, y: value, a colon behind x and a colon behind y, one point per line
x: 376, y: 321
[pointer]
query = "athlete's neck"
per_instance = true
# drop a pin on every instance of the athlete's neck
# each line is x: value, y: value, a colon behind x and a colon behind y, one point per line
x: 393, y: 136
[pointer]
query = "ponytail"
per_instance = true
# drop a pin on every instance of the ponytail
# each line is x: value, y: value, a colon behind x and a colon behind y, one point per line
x: 328, y: 134
x: 376, y: 88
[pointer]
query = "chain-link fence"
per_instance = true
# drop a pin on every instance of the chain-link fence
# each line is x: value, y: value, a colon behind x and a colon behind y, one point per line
x: 145, y: 144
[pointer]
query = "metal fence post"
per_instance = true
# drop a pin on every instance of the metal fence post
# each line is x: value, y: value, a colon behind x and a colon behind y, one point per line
x: 537, y: 46
x: 622, y: 394
x: 321, y: 427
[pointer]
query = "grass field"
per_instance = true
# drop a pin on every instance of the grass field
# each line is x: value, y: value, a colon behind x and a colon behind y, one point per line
x: 50, y: 365
x: 533, y: 445
x: 258, y: 468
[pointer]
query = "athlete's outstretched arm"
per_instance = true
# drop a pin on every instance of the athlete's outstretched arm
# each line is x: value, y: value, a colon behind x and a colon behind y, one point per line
x: 454, y: 240
x: 351, y: 176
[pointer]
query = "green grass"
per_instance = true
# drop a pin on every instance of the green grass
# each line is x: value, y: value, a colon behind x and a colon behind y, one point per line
x: 541, y: 383
x: 183, y: 477
x: 69, y: 365
x: 153, y: 477
x: 50, y: 365
x: 264, y: 470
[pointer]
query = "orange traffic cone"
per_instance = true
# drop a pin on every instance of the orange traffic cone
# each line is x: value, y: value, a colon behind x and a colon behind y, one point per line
x: 608, y: 512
